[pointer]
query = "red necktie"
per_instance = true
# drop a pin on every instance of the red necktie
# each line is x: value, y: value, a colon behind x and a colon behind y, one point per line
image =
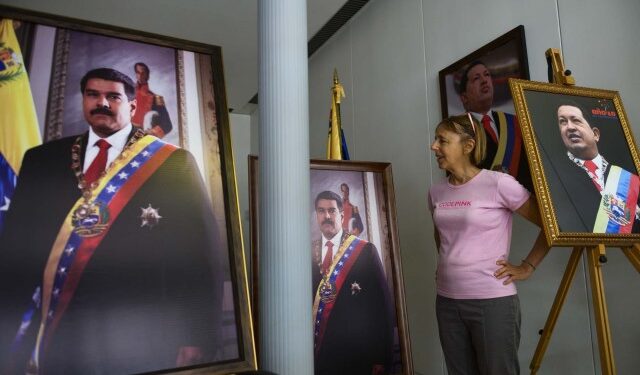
x: 486, y: 123
x: 99, y: 163
x: 328, y: 258
x: 591, y: 167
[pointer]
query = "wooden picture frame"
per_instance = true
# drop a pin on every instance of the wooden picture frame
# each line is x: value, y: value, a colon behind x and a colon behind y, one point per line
x: 194, y: 93
x: 372, y: 197
x: 505, y: 57
x: 561, y: 123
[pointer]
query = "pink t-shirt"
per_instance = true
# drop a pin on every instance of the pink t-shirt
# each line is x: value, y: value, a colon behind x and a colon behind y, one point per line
x: 474, y: 222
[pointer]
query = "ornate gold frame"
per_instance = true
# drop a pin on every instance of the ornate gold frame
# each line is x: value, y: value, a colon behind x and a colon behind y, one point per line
x: 218, y: 162
x: 554, y: 236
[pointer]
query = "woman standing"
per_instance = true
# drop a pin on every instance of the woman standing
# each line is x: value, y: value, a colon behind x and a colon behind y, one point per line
x: 477, y: 307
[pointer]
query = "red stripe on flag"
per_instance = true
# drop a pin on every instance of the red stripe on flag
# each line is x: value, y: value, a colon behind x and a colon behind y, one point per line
x: 517, y: 149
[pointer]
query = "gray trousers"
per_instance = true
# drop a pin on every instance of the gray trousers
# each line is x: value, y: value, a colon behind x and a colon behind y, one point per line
x: 480, y: 336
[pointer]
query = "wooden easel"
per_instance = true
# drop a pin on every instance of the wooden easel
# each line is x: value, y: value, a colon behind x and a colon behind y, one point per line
x: 595, y: 256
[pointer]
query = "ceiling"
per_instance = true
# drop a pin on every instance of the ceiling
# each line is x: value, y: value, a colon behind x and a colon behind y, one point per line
x: 230, y: 24
x: 236, y: 32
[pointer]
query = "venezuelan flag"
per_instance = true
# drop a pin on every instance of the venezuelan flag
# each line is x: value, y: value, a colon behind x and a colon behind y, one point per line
x: 334, y: 146
x: 19, y: 129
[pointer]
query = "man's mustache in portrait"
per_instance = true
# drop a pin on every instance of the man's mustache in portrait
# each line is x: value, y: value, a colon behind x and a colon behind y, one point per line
x: 327, y: 221
x: 101, y: 111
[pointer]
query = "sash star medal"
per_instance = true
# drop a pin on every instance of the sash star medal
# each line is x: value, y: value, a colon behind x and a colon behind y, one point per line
x: 150, y: 217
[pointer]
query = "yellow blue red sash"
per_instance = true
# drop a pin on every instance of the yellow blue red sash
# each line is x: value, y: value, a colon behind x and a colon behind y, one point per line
x: 331, y: 285
x: 617, y: 209
x: 507, y: 157
x: 74, y: 246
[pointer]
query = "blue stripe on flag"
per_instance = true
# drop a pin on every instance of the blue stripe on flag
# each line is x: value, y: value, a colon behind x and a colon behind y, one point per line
x: 7, y: 187
x: 343, y: 144
x: 622, y: 192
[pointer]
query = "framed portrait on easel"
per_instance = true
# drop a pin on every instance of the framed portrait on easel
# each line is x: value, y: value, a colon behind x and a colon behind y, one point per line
x: 584, y: 162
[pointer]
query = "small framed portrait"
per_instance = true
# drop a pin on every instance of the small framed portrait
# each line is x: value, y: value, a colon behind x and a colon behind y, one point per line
x: 496, y: 62
x: 159, y: 282
x: 159, y: 73
x: 584, y: 163
x: 360, y: 323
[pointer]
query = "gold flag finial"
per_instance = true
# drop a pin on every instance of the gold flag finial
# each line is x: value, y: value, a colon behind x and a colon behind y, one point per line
x: 337, y: 89
x: 334, y: 141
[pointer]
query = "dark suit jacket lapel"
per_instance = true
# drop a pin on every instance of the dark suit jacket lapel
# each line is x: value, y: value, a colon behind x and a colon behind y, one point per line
x: 492, y: 147
x: 85, y: 141
x: 496, y: 119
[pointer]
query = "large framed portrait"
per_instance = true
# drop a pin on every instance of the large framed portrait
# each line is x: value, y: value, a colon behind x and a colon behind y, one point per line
x: 584, y: 163
x: 203, y: 324
x: 504, y: 57
x: 358, y: 294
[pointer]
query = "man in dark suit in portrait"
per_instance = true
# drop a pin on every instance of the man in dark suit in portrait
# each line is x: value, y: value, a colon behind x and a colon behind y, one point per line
x: 592, y: 194
x: 107, y: 255
x: 353, y: 327
x: 505, y: 150
x: 151, y: 113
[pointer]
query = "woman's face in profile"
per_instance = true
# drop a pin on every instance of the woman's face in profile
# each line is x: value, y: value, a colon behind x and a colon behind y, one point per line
x: 448, y: 148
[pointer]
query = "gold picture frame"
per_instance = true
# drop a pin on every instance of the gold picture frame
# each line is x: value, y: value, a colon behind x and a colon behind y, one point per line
x: 571, y: 213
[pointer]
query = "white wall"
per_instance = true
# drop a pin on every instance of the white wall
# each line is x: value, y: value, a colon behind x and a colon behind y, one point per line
x: 388, y: 57
x: 241, y: 144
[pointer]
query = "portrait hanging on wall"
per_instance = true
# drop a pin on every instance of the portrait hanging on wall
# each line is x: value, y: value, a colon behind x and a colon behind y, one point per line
x: 477, y: 84
x: 357, y: 286
x: 180, y: 98
x: 584, y: 162
x: 504, y: 57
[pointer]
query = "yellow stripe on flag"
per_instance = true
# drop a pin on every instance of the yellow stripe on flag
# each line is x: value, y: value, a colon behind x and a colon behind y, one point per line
x: 334, y: 140
x: 19, y: 129
x: 334, y: 151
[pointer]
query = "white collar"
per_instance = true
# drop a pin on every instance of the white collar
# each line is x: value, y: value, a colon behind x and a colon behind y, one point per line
x: 479, y: 115
x: 598, y: 160
x: 117, y: 140
x: 335, y: 240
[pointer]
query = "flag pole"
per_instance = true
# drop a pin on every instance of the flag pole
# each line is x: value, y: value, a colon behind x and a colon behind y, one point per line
x: 336, y: 143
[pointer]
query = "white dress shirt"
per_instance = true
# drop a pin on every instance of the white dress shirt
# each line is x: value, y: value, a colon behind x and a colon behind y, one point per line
x: 479, y: 116
x: 336, y: 244
x: 117, y: 141
x: 598, y: 161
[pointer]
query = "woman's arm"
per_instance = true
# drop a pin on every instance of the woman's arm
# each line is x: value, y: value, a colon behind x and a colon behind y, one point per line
x: 529, y: 210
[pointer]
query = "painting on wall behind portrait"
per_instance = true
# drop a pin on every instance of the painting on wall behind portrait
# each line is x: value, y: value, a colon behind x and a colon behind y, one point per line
x: 584, y: 160
x: 180, y: 98
x: 359, y: 313
x: 504, y: 57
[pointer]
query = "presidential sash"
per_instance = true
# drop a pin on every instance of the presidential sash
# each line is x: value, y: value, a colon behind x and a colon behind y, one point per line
x: 332, y: 283
x: 82, y: 231
x: 618, y: 205
x: 507, y: 157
